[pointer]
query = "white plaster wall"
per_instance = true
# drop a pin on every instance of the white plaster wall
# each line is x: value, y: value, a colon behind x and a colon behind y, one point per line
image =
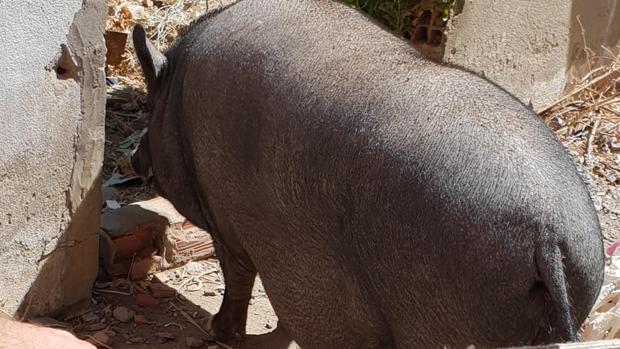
x: 39, y: 119
x: 522, y: 45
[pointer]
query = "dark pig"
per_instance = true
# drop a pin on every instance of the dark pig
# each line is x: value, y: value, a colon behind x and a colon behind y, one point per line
x: 387, y: 201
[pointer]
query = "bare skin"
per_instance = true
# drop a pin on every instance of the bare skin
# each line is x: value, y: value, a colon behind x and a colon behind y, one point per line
x: 15, y: 334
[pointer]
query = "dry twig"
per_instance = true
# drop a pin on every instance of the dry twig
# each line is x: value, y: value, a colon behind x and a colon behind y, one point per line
x: 98, y: 342
x: 190, y: 319
x: 4, y: 312
x: 591, y: 139
x: 100, y: 290
x: 578, y: 90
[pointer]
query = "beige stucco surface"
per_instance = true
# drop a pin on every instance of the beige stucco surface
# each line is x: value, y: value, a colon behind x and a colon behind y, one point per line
x: 529, y: 47
x: 51, y: 148
x: 520, y: 45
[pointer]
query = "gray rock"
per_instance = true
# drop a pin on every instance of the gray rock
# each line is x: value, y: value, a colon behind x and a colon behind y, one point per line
x: 123, y: 314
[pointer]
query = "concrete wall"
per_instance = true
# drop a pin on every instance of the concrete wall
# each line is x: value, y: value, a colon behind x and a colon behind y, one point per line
x: 529, y: 47
x: 601, y: 22
x: 52, y: 104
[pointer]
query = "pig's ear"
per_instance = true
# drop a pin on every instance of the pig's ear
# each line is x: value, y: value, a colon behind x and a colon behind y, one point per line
x: 151, y: 60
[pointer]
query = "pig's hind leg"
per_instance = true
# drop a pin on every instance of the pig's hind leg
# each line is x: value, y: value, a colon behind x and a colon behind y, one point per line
x: 239, y: 275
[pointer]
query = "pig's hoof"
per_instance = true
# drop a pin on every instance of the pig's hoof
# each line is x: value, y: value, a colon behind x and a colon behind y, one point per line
x: 277, y: 339
x: 226, y: 330
x: 224, y: 335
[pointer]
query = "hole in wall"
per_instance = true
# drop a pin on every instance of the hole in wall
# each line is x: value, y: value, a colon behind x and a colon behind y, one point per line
x: 421, y: 35
x: 65, y: 67
x: 436, y: 37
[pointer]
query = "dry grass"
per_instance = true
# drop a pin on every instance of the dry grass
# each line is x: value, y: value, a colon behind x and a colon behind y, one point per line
x: 126, y: 114
x: 587, y: 120
x: 163, y: 21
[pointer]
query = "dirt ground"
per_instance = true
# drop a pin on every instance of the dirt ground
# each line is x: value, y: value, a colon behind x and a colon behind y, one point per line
x: 166, y: 323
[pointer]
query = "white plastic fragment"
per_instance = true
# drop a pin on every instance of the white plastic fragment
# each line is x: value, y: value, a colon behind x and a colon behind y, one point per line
x: 112, y: 204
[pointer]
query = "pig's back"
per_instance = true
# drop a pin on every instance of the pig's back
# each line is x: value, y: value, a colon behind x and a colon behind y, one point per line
x: 350, y: 164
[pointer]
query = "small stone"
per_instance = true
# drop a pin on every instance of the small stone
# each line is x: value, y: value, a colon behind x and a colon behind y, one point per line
x: 137, y: 340
x: 95, y: 327
x: 99, y: 338
x: 146, y: 301
x: 123, y: 314
x: 268, y: 326
x: 90, y: 318
x: 139, y: 319
x: 193, y: 342
x: 210, y: 294
x: 165, y: 335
